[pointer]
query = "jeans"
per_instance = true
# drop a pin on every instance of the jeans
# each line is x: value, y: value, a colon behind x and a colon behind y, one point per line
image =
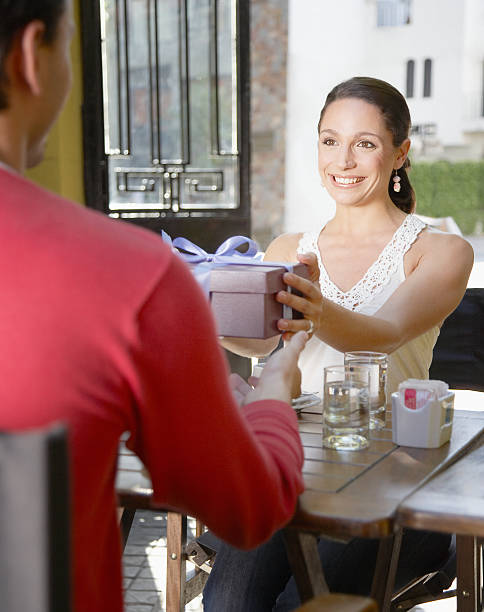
x: 260, y: 580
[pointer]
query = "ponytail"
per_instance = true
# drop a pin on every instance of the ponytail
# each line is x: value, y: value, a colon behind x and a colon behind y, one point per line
x: 405, y: 198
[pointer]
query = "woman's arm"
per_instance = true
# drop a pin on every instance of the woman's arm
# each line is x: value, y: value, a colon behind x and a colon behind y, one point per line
x: 283, y: 248
x: 250, y: 347
x: 429, y: 294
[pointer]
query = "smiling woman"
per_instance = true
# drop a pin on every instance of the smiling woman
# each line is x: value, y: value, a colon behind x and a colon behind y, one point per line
x: 388, y: 126
x: 386, y: 283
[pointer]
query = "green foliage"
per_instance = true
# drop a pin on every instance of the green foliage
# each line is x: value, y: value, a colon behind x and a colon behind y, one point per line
x: 445, y: 189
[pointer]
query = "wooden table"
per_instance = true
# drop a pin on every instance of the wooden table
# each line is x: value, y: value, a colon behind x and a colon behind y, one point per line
x: 348, y: 494
x: 357, y: 494
x: 453, y: 502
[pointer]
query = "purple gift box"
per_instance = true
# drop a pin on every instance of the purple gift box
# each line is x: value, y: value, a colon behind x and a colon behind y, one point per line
x: 243, y: 299
x: 240, y: 286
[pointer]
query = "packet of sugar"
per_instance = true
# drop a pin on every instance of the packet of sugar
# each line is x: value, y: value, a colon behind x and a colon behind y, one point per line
x: 415, y: 393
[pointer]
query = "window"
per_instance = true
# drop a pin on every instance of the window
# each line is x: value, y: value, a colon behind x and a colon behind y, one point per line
x: 427, y: 88
x: 170, y: 149
x: 482, y: 94
x: 392, y: 12
x: 410, y: 78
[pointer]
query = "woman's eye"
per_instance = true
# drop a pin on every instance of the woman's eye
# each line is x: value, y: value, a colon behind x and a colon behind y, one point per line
x: 330, y: 142
x: 366, y: 144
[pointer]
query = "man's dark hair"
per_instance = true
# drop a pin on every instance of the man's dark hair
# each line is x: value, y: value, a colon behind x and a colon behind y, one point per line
x: 14, y: 16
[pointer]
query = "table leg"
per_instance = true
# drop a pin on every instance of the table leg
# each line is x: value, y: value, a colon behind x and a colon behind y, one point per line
x: 385, y: 570
x: 176, y: 537
x: 469, y: 561
x: 302, y: 552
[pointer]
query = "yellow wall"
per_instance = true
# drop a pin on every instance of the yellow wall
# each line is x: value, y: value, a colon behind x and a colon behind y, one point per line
x: 62, y: 168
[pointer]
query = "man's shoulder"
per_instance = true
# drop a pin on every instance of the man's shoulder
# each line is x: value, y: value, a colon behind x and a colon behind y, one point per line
x: 63, y: 238
x: 65, y: 217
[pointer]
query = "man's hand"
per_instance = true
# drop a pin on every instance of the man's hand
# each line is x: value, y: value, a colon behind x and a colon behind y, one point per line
x: 280, y: 377
x: 240, y: 388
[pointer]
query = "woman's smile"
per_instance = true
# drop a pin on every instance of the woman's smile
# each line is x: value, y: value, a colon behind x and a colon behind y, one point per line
x: 346, y: 181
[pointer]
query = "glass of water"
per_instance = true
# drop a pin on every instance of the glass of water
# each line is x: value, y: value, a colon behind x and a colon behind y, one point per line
x: 346, y: 407
x: 377, y: 364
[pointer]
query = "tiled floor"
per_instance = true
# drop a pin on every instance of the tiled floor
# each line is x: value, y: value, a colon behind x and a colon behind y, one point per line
x: 144, y: 558
x: 445, y: 605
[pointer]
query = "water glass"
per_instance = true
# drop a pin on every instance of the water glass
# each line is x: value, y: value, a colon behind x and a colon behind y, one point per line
x: 345, y: 407
x: 377, y: 364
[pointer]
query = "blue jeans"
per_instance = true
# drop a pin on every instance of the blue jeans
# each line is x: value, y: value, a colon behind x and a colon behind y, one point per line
x: 260, y: 580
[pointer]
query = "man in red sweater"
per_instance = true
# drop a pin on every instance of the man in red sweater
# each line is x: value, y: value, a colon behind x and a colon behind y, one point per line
x: 103, y: 328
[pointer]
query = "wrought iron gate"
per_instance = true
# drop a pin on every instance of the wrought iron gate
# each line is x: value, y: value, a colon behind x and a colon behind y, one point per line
x: 166, y: 114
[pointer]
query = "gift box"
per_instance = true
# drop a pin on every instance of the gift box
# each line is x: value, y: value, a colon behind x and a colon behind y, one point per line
x: 241, y: 287
x: 243, y: 298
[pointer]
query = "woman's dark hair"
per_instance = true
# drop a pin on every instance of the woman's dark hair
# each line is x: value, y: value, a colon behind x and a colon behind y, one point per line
x: 14, y: 16
x: 395, y: 112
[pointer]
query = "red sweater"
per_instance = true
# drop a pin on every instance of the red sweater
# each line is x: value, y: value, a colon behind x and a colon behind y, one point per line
x: 102, y: 327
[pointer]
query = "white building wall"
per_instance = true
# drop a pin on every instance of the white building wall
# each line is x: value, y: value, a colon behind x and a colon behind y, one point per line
x: 473, y: 66
x: 332, y: 40
x: 321, y: 53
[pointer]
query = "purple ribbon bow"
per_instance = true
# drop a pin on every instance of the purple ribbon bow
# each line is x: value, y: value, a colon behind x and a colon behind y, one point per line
x: 226, y: 253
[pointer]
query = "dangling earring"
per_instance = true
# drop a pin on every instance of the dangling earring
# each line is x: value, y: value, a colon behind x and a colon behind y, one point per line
x: 396, y: 182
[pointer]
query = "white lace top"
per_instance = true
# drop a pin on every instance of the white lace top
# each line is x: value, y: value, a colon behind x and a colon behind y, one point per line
x: 412, y: 360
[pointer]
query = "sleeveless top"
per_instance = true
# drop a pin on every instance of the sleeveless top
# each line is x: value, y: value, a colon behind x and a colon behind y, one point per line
x: 411, y: 360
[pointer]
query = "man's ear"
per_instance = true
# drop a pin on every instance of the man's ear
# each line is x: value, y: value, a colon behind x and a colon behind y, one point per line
x: 25, y: 56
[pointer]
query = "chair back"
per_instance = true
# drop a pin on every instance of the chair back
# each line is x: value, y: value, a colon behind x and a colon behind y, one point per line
x: 459, y: 352
x: 34, y: 521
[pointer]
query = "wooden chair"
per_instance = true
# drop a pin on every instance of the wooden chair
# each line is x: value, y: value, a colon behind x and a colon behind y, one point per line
x: 135, y: 493
x: 180, y: 590
x: 431, y: 587
x: 459, y: 352
x: 334, y: 602
x: 34, y: 521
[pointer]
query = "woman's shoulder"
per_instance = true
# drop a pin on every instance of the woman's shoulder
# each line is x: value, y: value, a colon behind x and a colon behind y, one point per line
x: 445, y: 246
x: 433, y: 238
x: 284, y: 247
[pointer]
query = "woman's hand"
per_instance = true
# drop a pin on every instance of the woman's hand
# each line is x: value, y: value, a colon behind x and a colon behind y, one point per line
x: 310, y: 304
x: 311, y: 262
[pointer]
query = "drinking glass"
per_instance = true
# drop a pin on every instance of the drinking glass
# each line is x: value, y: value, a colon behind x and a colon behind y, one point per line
x: 345, y: 407
x: 377, y: 364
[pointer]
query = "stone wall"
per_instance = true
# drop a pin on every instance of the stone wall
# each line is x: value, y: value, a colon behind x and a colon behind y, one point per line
x: 269, y: 28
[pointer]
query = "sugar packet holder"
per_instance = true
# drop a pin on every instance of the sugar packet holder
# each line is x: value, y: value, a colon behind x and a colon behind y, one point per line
x: 422, y: 414
x: 226, y: 254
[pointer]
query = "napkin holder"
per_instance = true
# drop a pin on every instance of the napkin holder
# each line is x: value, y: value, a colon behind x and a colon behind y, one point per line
x: 427, y: 427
